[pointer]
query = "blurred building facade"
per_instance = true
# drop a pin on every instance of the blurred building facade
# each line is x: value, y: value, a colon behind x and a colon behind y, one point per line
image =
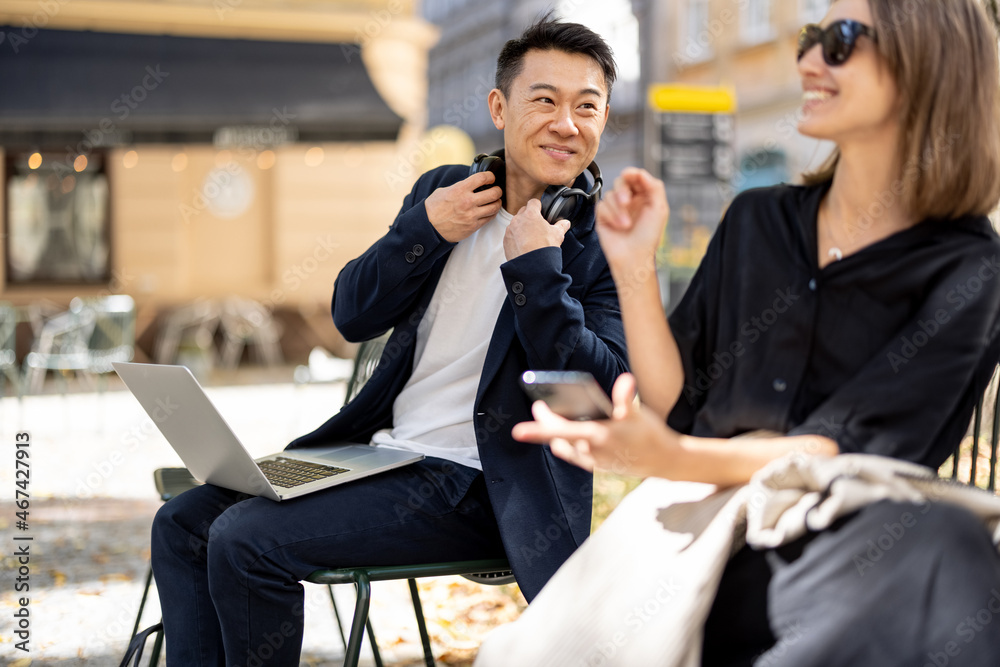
x: 140, y: 187
x: 748, y: 45
x: 243, y: 147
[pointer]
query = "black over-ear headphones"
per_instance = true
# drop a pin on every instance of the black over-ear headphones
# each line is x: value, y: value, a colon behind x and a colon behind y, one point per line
x: 559, y: 202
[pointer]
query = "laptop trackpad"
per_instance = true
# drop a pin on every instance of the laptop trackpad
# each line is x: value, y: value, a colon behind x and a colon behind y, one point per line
x: 339, y: 453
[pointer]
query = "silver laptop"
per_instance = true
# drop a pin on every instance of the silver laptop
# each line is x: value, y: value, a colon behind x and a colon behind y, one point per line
x: 177, y: 404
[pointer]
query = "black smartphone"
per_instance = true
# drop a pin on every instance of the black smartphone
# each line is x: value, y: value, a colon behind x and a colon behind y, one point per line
x: 571, y: 394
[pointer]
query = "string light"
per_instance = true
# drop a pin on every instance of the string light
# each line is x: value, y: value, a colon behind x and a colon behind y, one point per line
x: 266, y: 160
x: 314, y: 156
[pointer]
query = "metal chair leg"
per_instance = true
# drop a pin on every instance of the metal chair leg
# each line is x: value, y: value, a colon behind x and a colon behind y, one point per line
x: 154, y: 657
x: 336, y: 612
x: 371, y: 640
x: 418, y: 609
x: 343, y: 639
x: 142, y: 604
x: 353, y: 652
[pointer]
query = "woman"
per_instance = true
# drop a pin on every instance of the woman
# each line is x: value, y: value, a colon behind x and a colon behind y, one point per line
x: 857, y: 313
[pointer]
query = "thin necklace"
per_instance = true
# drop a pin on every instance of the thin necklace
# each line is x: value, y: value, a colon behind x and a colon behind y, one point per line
x: 835, y: 253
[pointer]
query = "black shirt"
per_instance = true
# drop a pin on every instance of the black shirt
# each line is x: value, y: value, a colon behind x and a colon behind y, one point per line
x: 885, y: 351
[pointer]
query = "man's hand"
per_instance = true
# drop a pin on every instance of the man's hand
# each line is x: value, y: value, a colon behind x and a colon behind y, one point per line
x: 457, y: 211
x: 530, y: 231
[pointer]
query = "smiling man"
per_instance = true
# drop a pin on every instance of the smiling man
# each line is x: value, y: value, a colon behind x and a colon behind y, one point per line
x: 477, y: 287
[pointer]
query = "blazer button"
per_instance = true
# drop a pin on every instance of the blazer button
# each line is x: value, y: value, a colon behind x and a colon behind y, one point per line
x: 779, y: 385
x: 520, y: 299
x: 517, y: 287
x: 418, y: 250
x: 410, y: 257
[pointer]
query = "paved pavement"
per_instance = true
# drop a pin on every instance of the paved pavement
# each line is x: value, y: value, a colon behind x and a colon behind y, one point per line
x: 92, y: 498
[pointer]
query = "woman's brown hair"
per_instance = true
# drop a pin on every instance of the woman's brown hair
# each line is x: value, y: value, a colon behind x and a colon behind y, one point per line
x: 943, y: 56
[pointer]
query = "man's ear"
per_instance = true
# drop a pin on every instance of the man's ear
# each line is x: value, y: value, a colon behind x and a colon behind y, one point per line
x: 498, y: 108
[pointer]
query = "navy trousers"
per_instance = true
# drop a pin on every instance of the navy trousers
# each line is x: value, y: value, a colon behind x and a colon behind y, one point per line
x: 895, y: 585
x: 228, y: 566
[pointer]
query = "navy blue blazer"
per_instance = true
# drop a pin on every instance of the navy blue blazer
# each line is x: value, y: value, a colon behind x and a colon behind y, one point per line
x: 561, y: 313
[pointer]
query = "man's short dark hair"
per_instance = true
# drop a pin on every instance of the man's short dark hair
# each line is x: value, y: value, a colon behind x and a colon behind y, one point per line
x: 549, y: 34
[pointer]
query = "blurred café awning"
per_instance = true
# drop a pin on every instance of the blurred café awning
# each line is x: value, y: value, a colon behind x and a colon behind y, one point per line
x: 63, y: 87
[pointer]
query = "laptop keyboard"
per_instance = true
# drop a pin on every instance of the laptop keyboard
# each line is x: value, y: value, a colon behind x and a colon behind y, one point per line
x: 287, y: 473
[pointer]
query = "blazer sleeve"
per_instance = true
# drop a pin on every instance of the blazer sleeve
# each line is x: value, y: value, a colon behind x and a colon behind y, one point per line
x: 375, y: 290
x: 564, y: 325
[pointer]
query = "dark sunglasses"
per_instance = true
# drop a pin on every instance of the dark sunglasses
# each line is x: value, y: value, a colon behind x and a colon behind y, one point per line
x: 838, y: 40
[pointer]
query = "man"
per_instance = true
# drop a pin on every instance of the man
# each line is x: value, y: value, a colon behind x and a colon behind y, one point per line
x: 477, y: 287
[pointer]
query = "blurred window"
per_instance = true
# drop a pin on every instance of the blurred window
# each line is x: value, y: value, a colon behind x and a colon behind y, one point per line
x: 698, y: 37
x: 761, y: 167
x: 614, y: 21
x: 813, y: 11
x: 57, y: 228
x: 755, y: 21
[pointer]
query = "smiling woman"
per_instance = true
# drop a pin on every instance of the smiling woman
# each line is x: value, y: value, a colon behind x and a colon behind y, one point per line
x: 951, y: 127
x: 868, y: 255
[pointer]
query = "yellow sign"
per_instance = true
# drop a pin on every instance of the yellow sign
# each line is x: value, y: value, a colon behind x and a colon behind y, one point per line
x: 680, y: 98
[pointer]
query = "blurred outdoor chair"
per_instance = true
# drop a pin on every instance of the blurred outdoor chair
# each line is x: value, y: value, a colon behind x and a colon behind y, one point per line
x: 246, y: 322
x: 974, y: 461
x: 187, y: 336
x: 323, y: 367
x: 61, y: 345
x: 8, y: 358
x: 86, y: 339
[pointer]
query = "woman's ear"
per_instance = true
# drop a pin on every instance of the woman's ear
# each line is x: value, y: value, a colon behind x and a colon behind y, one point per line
x: 498, y: 108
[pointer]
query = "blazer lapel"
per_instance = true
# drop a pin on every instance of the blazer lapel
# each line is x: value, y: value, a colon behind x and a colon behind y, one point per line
x: 571, y: 247
x: 503, y: 336
x: 503, y: 331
